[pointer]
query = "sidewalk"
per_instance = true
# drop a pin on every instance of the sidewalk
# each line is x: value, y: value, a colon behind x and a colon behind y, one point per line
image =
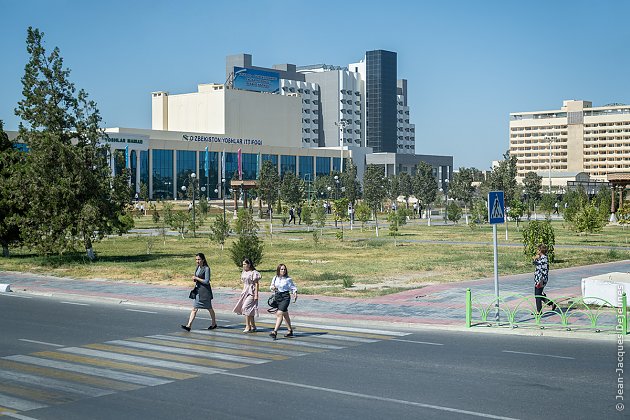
x: 437, y: 305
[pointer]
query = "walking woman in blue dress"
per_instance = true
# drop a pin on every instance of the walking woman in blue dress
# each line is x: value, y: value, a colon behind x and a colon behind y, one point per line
x: 203, y: 300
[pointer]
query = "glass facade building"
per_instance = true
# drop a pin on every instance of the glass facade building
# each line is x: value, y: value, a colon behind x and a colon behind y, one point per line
x: 381, y: 101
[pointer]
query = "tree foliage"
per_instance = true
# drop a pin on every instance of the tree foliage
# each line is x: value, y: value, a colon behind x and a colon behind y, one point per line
x: 268, y: 183
x: 461, y: 187
x: 290, y: 189
x: 72, y: 197
x: 248, y: 245
x: 454, y: 212
x: 12, y: 208
x: 219, y: 230
x: 349, y: 181
x: 503, y: 178
x: 536, y: 233
x: 425, y: 185
x: 588, y: 220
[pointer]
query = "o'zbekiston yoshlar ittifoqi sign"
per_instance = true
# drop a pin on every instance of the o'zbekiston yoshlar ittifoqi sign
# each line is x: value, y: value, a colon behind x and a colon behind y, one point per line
x: 224, y: 140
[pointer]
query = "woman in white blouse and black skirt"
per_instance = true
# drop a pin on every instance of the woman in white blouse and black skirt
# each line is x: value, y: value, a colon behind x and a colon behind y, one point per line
x: 282, y: 285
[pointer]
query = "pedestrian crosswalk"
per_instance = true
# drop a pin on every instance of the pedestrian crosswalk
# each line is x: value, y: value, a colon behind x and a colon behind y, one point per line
x: 66, y: 374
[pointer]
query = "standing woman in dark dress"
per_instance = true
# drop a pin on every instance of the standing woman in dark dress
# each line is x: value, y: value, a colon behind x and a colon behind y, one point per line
x: 203, y: 300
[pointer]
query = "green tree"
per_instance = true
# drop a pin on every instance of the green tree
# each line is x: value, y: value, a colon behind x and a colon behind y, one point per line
x: 479, y: 211
x: 623, y: 214
x: 503, y: 178
x: 363, y: 213
x: 574, y: 201
x: 290, y: 189
x: 461, y: 187
x: 393, y: 188
x: 532, y: 185
x: 307, y: 217
x: 219, y: 230
x: 268, y: 183
x: 405, y: 185
x: 320, y: 216
x: 248, y: 245
x: 536, y: 233
x: 79, y: 202
x: 350, y: 182
x: 12, y: 207
x: 547, y: 203
x: 374, y: 191
x: 425, y: 186
x: 397, y: 219
x: 588, y: 220
x: 340, y: 207
x: 517, y: 209
x: 454, y: 212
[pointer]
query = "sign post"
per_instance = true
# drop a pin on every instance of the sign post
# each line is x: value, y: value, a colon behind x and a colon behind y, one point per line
x: 496, y: 215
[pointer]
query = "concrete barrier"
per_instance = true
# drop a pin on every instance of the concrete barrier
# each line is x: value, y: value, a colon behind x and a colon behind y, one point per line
x: 607, y: 287
x: 5, y: 288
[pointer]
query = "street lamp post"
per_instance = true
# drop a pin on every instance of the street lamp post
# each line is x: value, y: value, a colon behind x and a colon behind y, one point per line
x: 550, y: 139
x: 445, y: 189
x: 342, y: 126
x: 223, y: 196
x: 191, y: 185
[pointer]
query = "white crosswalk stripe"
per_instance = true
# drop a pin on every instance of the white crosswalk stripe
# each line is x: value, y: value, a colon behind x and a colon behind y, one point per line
x: 293, y: 341
x: 19, y: 403
x: 141, y: 360
x: 65, y: 386
x: 103, y: 369
x: 198, y: 353
x: 105, y: 373
x: 229, y: 345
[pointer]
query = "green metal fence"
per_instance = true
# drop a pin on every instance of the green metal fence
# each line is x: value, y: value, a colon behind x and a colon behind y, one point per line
x: 516, y: 310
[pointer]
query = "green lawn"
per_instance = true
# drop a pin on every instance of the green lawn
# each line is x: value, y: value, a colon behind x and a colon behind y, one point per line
x: 373, y: 265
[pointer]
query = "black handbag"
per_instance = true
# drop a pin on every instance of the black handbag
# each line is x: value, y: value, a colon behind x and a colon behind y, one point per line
x: 193, y: 293
x: 272, y: 303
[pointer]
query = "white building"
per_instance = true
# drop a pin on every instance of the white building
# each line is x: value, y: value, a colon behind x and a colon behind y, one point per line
x: 575, y: 138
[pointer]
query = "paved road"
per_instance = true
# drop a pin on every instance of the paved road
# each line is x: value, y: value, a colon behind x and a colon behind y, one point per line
x: 64, y: 358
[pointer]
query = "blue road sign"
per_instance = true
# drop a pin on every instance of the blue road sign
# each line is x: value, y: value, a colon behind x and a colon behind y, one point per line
x: 496, y: 207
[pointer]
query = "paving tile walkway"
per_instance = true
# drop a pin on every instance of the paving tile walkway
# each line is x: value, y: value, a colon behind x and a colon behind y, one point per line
x: 440, y: 304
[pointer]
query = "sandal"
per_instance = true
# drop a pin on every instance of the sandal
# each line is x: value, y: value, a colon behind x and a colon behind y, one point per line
x: 185, y: 327
x: 289, y: 334
x: 273, y: 334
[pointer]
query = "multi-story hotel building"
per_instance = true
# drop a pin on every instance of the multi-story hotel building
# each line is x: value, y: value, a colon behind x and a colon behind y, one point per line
x: 575, y: 138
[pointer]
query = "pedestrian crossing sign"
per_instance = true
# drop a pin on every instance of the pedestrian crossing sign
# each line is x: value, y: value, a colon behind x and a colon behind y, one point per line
x: 496, y: 207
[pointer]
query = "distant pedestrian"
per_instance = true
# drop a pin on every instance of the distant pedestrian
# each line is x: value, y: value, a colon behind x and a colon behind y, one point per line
x: 291, y: 215
x: 541, y: 276
x: 247, y: 303
x: 299, y: 215
x: 282, y: 285
x: 190, y: 206
x: 142, y: 209
x: 203, y: 300
x: 137, y: 197
x: 555, y: 208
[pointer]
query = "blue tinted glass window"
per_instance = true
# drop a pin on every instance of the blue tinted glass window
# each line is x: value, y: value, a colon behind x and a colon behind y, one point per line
x: 144, y: 168
x: 336, y: 163
x: 322, y: 166
x: 287, y: 164
x: 163, y: 174
x: 306, y: 167
x: 209, y: 179
x: 186, y: 165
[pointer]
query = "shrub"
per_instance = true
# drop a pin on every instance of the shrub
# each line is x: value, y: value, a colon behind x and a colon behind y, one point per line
x: 539, y: 232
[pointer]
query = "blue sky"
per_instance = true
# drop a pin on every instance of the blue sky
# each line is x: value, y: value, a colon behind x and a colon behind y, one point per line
x: 468, y: 63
